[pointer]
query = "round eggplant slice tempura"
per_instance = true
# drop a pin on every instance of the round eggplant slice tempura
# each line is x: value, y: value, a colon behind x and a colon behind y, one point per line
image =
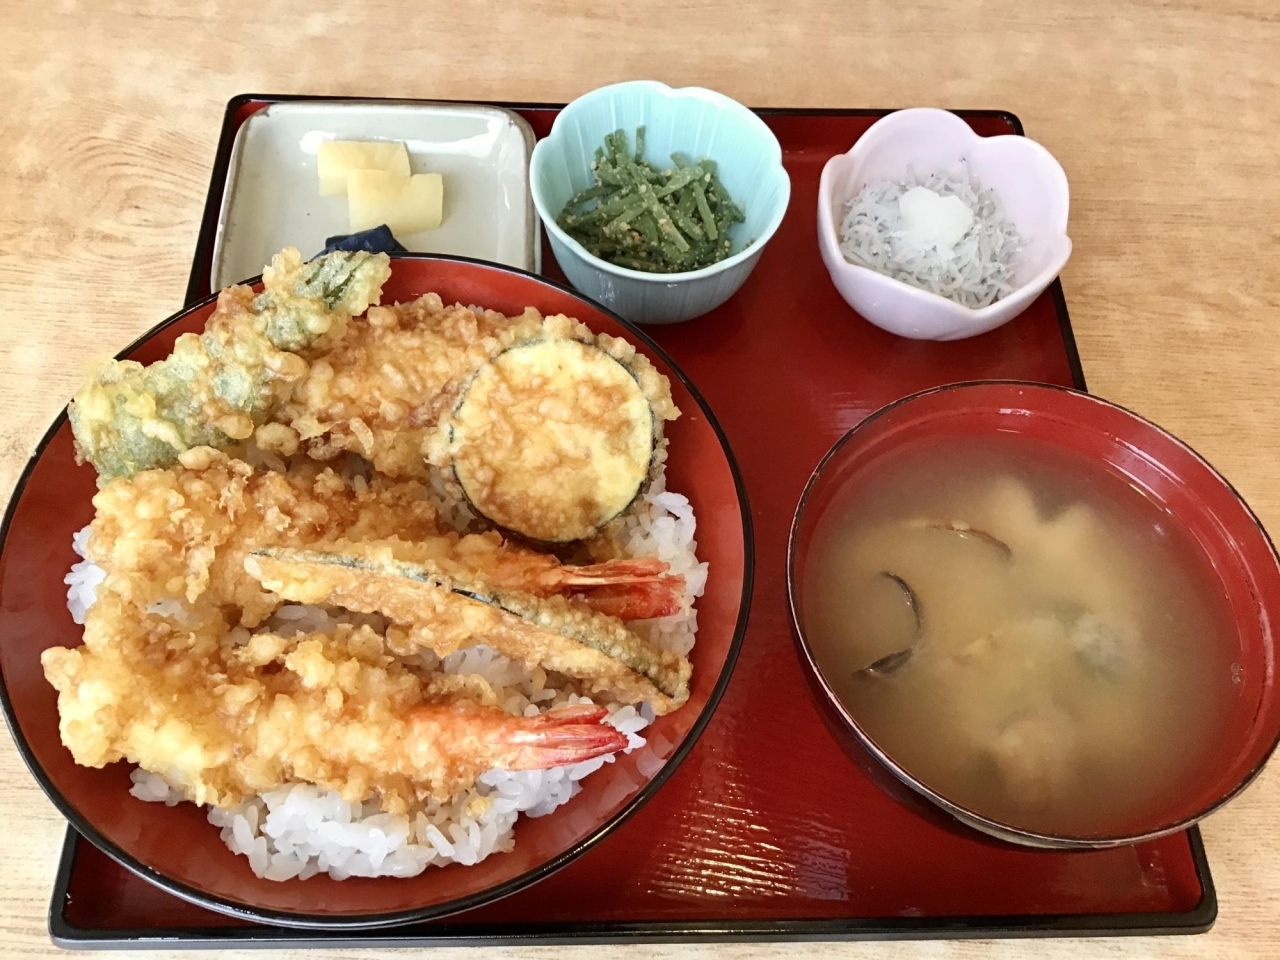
x: 559, y: 433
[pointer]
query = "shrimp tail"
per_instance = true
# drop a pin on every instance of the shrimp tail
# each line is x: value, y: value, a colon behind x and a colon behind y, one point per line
x: 641, y: 601
x: 638, y: 589
x: 642, y: 570
x: 464, y: 730
x: 561, y: 736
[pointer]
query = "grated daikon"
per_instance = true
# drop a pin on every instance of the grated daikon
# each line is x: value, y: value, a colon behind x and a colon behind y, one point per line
x: 932, y: 221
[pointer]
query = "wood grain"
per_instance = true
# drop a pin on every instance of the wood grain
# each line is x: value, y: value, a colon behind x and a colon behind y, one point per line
x: 1166, y: 117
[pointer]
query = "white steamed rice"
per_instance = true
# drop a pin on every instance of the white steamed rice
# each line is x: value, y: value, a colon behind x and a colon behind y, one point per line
x: 83, y: 578
x: 300, y: 830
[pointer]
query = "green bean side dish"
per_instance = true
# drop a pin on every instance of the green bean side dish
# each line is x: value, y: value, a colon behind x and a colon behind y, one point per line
x: 660, y: 221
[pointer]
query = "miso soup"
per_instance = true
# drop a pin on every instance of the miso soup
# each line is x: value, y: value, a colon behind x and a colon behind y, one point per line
x: 1021, y: 630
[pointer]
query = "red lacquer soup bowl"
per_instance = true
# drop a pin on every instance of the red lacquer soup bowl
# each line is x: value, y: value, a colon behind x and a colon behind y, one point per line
x: 1232, y: 552
x: 175, y: 847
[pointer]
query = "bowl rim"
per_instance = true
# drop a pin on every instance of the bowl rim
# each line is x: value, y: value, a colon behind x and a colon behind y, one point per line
x: 720, y: 100
x: 829, y: 238
x: 990, y: 825
x: 368, y: 921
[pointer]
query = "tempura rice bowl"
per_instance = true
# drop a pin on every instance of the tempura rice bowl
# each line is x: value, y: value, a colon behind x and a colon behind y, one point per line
x: 178, y: 849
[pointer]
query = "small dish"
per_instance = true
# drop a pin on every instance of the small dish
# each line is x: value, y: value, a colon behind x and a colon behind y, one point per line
x: 693, y: 121
x: 1238, y: 556
x: 1028, y: 180
x: 271, y: 200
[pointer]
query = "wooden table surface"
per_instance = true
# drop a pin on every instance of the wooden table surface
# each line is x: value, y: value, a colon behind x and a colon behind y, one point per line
x: 1166, y: 116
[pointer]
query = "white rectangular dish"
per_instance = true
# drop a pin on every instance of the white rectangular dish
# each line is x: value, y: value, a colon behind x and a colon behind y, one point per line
x: 272, y: 198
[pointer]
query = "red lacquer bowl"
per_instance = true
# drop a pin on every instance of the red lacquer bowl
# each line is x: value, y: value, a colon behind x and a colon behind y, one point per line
x: 1237, y: 551
x: 175, y: 847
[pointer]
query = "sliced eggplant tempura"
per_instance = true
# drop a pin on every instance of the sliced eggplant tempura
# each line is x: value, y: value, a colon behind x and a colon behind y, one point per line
x: 559, y: 433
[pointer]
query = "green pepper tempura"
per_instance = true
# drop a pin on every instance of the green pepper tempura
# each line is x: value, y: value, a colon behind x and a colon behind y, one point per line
x: 660, y: 221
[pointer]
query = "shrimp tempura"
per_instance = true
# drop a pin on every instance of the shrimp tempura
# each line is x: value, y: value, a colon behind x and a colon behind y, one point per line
x: 222, y: 722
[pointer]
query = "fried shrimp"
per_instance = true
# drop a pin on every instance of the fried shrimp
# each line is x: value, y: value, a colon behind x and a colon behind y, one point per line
x: 183, y: 532
x: 222, y: 722
x: 444, y: 612
x: 215, y: 387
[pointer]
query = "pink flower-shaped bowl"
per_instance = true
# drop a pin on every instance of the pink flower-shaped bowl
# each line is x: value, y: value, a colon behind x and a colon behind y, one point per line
x: 1024, y: 175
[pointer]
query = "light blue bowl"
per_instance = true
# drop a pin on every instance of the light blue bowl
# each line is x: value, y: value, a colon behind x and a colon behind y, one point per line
x: 695, y: 122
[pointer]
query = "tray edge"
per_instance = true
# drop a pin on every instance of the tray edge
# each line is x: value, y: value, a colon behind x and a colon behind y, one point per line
x: 1198, y: 920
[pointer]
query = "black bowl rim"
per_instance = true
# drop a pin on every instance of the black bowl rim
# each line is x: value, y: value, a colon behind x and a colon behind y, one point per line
x: 416, y: 915
x: 988, y: 825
